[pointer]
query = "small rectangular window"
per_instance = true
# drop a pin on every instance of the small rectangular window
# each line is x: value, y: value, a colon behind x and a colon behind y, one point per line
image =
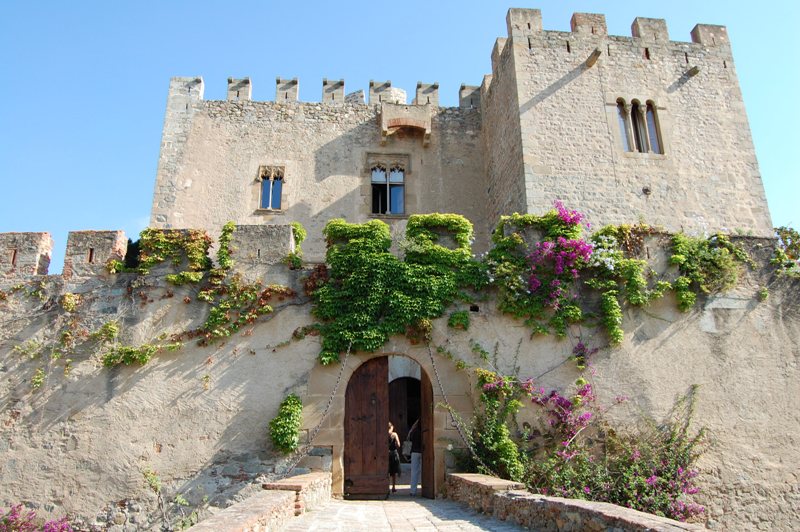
x: 13, y: 258
x: 90, y: 258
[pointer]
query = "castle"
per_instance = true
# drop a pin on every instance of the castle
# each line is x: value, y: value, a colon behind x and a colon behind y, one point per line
x: 621, y: 128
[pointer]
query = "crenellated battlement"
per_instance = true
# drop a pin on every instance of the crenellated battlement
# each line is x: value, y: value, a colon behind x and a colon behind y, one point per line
x: 24, y: 256
x: 521, y: 23
x: 183, y: 91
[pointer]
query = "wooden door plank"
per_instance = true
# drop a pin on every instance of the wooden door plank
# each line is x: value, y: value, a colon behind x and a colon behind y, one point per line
x: 426, y: 414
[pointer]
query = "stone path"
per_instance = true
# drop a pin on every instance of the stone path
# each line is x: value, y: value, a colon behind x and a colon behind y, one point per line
x: 400, y: 512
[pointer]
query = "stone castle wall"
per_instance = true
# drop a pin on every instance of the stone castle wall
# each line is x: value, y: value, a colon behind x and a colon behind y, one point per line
x: 568, y: 84
x: 198, y: 416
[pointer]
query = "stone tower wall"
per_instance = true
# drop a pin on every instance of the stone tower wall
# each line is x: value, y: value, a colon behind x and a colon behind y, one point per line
x: 568, y: 84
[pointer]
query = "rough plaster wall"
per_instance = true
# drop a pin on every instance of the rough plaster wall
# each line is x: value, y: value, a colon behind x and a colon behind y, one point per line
x: 79, y: 443
x: 706, y: 180
x: 324, y: 151
x: 501, y: 132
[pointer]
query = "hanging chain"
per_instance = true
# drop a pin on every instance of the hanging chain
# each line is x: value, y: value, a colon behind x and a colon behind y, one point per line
x: 302, y: 452
x: 456, y: 421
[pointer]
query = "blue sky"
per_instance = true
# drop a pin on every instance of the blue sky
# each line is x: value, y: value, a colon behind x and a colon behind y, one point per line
x: 84, y: 83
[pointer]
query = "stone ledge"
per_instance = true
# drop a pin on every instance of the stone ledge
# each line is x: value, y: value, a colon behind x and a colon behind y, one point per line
x: 311, y: 490
x: 507, y: 501
x: 268, y: 510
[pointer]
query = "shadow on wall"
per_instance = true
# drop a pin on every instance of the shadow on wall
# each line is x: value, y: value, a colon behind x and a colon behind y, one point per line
x: 553, y: 88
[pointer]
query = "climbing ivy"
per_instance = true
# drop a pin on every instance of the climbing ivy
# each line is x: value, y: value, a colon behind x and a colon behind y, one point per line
x: 129, y: 355
x: 706, y: 266
x: 370, y: 294
x: 161, y: 245
x: 295, y: 258
x: 284, y: 429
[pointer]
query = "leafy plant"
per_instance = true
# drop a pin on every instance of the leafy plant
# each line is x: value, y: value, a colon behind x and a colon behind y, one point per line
x: 174, y: 245
x: 183, y: 278
x: 129, y: 355
x: 38, y: 379
x: 284, y: 429
x: 459, y: 320
x: 107, y: 332
x: 787, y: 251
x: 69, y: 301
x: 152, y: 479
x: 225, y: 251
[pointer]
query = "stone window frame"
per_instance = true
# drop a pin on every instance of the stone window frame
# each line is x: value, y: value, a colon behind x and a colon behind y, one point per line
x: 639, y: 127
x: 271, y: 173
x: 388, y: 161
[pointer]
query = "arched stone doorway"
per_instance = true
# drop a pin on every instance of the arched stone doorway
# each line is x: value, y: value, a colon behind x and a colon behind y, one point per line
x: 367, y: 413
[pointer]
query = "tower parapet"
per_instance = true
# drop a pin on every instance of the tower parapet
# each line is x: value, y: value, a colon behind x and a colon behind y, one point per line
x: 239, y: 89
x: 88, y: 252
x: 650, y: 29
x: 427, y: 93
x: 25, y: 254
x: 333, y: 91
x: 469, y: 96
x: 710, y: 35
x: 588, y: 24
x: 286, y: 90
x: 383, y: 92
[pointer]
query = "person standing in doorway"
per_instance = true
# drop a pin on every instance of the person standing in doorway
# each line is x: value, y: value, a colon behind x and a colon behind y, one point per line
x: 415, y: 435
x: 394, y: 457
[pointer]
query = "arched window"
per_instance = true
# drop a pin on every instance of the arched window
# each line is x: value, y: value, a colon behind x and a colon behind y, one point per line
x: 622, y: 116
x: 639, y: 130
x: 388, y: 189
x: 653, y: 130
x: 271, y: 187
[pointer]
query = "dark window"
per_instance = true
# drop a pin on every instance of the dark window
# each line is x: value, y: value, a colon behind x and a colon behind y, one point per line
x: 380, y: 192
x: 271, y: 188
x: 639, y: 134
x: 388, y: 191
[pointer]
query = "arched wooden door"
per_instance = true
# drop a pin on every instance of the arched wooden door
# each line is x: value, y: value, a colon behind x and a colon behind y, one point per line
x: 366, y: 440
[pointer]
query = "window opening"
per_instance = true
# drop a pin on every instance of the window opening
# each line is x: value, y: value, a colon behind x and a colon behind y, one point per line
x: 622, y: 117
x: 474, y: 308
x: 13, y: 258
x: 91, y: 255
x: 647, y: 53
x: 271, y: 187
x: 653, y: 129
x: 388, y: 190
x: 258, y: 253
x: 724, y: 64
x: 569, y: 50
x: 686, y: 57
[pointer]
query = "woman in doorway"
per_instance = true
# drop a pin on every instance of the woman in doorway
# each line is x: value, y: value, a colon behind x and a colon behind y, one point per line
x: 394, y: 457
x: 415, y: 435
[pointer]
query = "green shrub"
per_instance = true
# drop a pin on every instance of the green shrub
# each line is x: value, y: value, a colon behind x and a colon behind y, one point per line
x: 284, y: 429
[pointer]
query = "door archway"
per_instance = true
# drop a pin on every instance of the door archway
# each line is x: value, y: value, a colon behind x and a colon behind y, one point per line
x: 367, y: 407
